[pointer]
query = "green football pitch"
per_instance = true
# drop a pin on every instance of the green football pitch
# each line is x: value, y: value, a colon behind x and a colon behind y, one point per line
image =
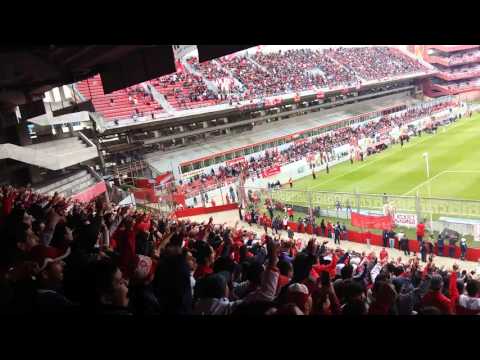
x: 454, y: 162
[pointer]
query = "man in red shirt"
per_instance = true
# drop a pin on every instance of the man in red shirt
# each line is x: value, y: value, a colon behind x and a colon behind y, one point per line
x: 420, y: 231
x: 435, y: 298
x: 290, y: 213
x: 383, y: 256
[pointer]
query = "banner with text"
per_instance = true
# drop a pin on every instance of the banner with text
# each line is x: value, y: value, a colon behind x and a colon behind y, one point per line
x: 271, y: 171
x: 372, y: 222
x: 408, y: 220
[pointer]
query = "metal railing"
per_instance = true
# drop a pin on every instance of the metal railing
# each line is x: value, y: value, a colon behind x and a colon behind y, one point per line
x: 338, y: 202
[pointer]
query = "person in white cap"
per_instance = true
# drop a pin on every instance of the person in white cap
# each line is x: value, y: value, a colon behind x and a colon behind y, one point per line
x: 299, y: 295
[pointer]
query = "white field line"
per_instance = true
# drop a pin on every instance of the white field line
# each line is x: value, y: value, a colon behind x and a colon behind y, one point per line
x: 442, y: 173
x: 463, y: 171
x: 367, y: 164
x: 450, y: 127
x: 425, y: 182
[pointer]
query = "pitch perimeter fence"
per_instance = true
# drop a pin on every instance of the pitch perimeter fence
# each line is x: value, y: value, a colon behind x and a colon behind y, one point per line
x: 457, y: 214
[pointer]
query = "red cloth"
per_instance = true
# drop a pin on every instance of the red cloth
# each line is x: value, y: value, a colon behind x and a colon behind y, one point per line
x: 282, y: 281
x: 372, y: 221
x: 8, y: 203
x: 329, y: 228
x: 437, y: 299
x: 421, y: 229
x: 127, y: 251
x: 383, y: 255
x: 202, y: 270
x: 454, y: 295
x: 301, y: 228
x: 330, y: 268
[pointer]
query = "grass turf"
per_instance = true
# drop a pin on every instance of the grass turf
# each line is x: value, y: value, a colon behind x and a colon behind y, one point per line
x: 454, y: 167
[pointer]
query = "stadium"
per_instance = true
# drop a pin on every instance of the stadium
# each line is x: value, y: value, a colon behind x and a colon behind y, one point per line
x: 229, y: 180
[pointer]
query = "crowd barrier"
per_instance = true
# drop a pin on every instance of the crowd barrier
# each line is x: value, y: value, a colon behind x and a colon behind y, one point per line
x: 204, y: 210
x: 377, y: 240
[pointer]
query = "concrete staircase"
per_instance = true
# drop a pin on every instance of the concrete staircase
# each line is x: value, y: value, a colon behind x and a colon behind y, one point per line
x: 158, y: 97
x: 210, y: 85
x: 69, y: 185
x: 52, y: 155
x: 257, y: 64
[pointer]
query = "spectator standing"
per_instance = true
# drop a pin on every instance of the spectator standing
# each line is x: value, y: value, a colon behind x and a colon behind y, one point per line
x: 421, y: 231
x: 423, y: 251
x: 440, y: 245
x: 434, y: 297
x: 463, y: 248
x: 385, y: 238
x: 337, y: 231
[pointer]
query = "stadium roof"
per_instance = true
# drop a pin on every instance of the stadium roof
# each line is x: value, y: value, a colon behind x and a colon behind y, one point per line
x: 163, y: 161
x: 28, y: 71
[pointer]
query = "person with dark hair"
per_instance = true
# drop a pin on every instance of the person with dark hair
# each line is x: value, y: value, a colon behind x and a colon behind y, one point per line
x: 440, y: 245
x: 384, y: 297
x: 205, y: 257
x: 286, y: 272
x: 354, y: 308
x: 434, y: 297
x: 423, y: 251
x: 337, y: 231
x: 49, y: 279
x: 325, y: 300
x: 172, y: 284
x: 323, y: 227
x: 104, y: 289
x: 213, y: 294
x: 141, y: 294
x: 192, y: 266
x: 469, y: 303
x: 463, y: 248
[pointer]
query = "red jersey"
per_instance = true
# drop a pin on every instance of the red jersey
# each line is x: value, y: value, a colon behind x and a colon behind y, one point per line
x: 383, y: 255
x: 421, y: 229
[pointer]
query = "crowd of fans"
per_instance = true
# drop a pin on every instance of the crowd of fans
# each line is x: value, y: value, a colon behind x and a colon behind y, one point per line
x: 67, y: 257
x: 374, y: 63
x: 462, y: 57
x: 323, y: 145
x: 186, y: 88
x: 270, y: 74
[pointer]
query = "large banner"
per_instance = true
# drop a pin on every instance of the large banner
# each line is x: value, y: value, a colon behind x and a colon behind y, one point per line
x: 164, y: 178
x: 408, y: 220
x: 91, y: 192
x: 238, y: 160
x: 372, y: 221
x: 271, y: 171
